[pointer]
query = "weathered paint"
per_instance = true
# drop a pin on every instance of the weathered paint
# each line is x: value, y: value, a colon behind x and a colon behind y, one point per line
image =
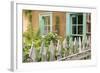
x: 68, y: 24
x: 41, y: 23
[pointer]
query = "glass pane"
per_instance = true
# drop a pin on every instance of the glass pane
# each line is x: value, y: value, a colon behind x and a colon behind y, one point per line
x: 45, y: 28
x: 46, y: 20
x: 49, y: 28
x: 73, y: 29
x: 80, y: 19
x: 80, y: 29
x: 74, y: 20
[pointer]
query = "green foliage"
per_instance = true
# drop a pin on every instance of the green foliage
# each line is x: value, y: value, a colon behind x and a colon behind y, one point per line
x: 50, y: 37
x: 30, y: 36
x: 29, y: 14
x: 37, y: 39
x: 28, y: 39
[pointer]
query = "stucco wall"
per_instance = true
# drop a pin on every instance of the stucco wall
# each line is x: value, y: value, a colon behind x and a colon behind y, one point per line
x: 25, y: 20
x: 35, y: 21
x: 62, y: 22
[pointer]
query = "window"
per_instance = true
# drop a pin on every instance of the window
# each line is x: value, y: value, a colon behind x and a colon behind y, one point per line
x: 45, y: 22
x: 77, y: 25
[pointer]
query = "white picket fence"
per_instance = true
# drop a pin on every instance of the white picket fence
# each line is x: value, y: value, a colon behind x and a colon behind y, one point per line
x: 76, y: 49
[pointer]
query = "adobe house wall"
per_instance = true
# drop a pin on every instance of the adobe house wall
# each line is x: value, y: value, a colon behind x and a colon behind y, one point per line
x: 62, y: 22
x: 35, y: 21
x: 25, y: 20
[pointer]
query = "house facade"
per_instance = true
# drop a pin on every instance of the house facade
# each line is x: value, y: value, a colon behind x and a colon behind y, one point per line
x: 73, y: 24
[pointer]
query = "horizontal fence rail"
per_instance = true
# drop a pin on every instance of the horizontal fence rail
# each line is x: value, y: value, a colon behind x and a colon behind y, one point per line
x: 78, y: 56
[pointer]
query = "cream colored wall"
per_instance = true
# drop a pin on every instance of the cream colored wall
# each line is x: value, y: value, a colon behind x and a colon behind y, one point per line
x: 25, y: 20
x: 62, y: 22
x: 35, y: 21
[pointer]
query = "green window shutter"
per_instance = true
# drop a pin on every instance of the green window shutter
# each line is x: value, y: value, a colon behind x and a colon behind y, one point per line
x: 41, y: 23
x: 68, y: 24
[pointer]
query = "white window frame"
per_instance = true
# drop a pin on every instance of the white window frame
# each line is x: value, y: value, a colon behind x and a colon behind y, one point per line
x: 46, y: 14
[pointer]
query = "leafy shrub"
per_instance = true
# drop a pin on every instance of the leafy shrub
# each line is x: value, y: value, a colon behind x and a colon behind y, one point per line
x: 28, y: 38
x: 51, y: 36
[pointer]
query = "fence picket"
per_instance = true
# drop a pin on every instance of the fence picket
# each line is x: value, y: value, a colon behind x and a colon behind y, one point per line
x: 52, y: 51
x: 80, y: 45
x: 88, y: 43
x: 65, y: 47
x: 32, y: 53
x: 75, y: 50
x: 43, y: 52
x: 65, y: 43
x: 58, y: 49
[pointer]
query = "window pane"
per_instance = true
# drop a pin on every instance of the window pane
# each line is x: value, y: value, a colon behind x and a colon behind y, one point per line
x: 74, y: 20
x: 80, y: 19
x: 80, y: 29
x: 48, y: 28
x: 73, y: 29
x: 45, y: 28
x: 46, y: 20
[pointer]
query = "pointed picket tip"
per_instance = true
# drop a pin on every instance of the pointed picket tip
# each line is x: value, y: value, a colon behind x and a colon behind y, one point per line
x: 65, y: 43
x: 58, y: 45
x: 75, y: 41
x: 80, y: 42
